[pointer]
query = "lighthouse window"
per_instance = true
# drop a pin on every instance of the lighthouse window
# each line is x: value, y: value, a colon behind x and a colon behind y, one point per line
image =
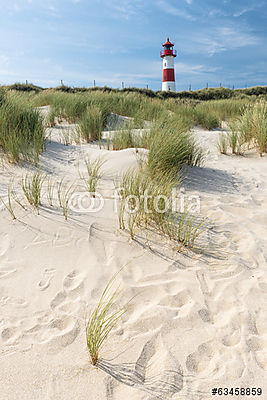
x: 165, y: 64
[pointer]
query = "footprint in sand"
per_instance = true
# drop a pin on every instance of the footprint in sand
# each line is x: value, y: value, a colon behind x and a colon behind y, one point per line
x: 13, y: 301
x: 66, y: 300
x: 199, y: 360
x: 60, y: 333
x: 74, y: 281
x: 10, y: 334
x: 233, y: 338
x: 58, y: 300
x: 4, y: 244
x: 5, y: 272
x: 48, y: 274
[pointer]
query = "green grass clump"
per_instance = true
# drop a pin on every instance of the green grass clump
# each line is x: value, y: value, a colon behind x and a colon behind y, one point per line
x: 127, y: 138
x: 147, y: 203
x: 103, y: 319
x: 249, y: 130
x: 92, y: 124
x: 171, y: 147
x: 184, y: 228
x: 93, y: 173
x: 21, y: 130
x: 68, y: 107
x: 207, y: 119
x: 50, y: 191
x: 123, y: 139
x: 32, y: 187
x: 223, y: 143
x: 253, y: 125
x: 65, y: 193
x: 9, y: 204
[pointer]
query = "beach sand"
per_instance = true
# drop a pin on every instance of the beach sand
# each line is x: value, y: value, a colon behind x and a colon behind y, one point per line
x: 197, y: 322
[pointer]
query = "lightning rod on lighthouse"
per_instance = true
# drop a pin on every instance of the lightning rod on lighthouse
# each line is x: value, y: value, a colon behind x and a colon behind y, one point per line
x: 168, y: 55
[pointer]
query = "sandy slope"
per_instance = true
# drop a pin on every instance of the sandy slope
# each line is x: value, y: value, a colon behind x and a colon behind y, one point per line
x: 197, y: 322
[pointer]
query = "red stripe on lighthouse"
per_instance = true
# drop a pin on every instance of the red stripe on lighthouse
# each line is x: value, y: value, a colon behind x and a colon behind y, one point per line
x: 168, y: 75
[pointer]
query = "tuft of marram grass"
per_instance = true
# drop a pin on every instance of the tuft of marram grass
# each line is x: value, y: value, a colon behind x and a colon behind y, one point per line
x: 64, y: 193
x: 93, y: 173
x: 32, y: 187
x: 128, y: 138
x: 223, y: 143
x: 103, y: 319
x: 253, y: 124
x: 21, y: 130
x: 143, y: 204
x: 50, y: 190
x: 92, y: 124
x: 9, y: 204
x: 171, y: 147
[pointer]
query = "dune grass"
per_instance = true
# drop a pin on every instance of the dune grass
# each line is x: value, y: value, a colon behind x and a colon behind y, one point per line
x: 64, y: 193
x: 103, y: 319
x: 51, y: 185
x: 21, y: 131
x: 249, y: 130
x: 93, y: 173
x: 146, y: 202
x: 171, y: 147
x: 9, y: 204
x: 223, y: 143
x: 253, y: 126
x: 184, y: 228
x: 32, y: 187
x: 92, y: 124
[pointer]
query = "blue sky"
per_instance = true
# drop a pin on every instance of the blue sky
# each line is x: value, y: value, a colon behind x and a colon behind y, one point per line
x: 114, y: 41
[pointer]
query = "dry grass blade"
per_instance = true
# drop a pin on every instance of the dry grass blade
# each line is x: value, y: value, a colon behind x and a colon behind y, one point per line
x: 103, y: 319
x: 9, y: 205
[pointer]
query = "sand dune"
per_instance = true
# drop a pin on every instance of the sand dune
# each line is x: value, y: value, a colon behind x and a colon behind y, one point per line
x: 197, y: 322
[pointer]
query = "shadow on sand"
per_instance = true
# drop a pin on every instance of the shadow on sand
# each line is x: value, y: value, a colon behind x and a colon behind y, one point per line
x: 209, y: 180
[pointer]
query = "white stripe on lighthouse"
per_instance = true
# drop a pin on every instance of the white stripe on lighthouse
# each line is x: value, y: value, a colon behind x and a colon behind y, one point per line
x: 168, y: 86
x: 168, y: 62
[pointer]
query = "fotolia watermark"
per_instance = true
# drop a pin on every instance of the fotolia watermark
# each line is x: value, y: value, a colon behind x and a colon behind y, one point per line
x: 85, y: 202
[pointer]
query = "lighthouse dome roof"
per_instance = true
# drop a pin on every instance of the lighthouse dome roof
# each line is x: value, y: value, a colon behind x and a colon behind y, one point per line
x: 168, y: 43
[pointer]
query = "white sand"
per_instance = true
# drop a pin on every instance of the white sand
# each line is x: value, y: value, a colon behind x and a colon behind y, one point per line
x: 197, y: 322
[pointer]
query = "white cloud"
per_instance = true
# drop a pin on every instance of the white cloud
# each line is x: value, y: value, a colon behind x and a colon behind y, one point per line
x: 170, y: 9
x: 185, y: 69
x: 234, y: 38
x: 241, y: 12
x: 122, y: 8
x: 221, y: 39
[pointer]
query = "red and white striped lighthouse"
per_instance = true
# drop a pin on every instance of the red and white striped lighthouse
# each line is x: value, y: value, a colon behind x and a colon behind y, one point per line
x: 168, y: 55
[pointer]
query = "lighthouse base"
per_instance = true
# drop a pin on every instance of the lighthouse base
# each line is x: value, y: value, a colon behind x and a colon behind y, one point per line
x: 166, y: 86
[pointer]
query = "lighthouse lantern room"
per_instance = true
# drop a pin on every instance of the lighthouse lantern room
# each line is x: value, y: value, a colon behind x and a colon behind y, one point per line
x: 168, y: 55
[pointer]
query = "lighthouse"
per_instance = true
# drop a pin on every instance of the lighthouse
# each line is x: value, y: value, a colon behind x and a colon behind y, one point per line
x: 168, y: 55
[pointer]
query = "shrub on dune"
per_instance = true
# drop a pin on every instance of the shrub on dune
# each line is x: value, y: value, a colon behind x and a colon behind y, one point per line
x: 171, y: 147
